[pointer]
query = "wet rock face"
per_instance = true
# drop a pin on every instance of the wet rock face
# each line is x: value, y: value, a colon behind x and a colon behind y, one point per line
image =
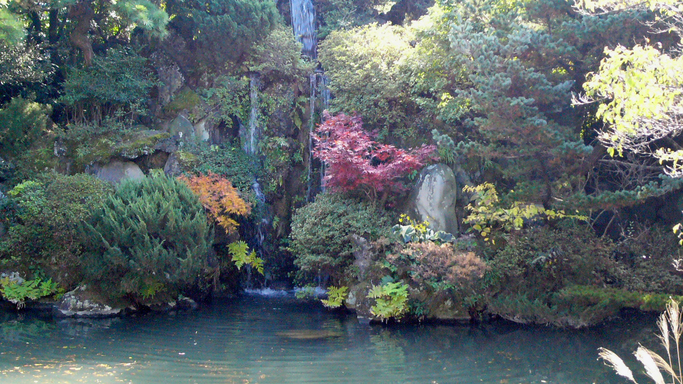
x: 433, y: 198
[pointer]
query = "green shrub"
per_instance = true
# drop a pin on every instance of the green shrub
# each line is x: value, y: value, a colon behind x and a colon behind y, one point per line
x: 149, y: 243
x: 18, y: 293
x: 22, y: 122
x: 44, y: 216
x: 224, y: 160
x: 335, y: 297
x: 542, y: 259
x: 536, y: 263
x: 115, y: 85
x: 391, y: 300
x: 320, y: 234
x: 646, y: 255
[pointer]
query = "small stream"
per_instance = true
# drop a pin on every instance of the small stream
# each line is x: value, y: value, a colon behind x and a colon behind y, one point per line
x: 256, y: 339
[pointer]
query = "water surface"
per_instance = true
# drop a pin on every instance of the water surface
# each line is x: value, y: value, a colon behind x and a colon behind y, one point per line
x: 256, y: 339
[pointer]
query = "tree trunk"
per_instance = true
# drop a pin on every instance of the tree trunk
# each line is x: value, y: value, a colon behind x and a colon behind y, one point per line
x: 83, y: 14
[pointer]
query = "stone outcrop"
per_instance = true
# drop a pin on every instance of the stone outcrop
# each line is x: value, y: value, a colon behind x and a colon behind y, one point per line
x: 182, y: 127
x: 433, y: 198
x: 117, y: 171
x: 78, y: 303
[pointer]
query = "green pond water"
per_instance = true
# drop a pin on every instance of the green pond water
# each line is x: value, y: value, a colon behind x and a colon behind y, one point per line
x: 256, y: 339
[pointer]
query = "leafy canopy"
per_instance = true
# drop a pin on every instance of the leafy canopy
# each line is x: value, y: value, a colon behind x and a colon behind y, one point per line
x: 220, y: 199
x: 356, y: 162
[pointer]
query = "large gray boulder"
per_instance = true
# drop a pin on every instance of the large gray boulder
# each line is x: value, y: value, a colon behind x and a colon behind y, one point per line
x: 182, y: 127
x: 433, y: 198
x: 117, y: 171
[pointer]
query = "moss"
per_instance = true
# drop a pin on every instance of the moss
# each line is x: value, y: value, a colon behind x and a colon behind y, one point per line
x: 186, y: 100
x: 187, y: 159
x: 115, y: 144
x: 141, y: 143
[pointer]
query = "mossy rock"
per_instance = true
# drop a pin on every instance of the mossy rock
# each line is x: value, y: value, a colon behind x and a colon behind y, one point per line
x: 187, y: 159
x: 185, y: 100
x: 141, y: 143
x: 128, y: 146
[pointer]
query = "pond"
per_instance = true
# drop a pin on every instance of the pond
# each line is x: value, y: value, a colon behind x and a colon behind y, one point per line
x: 257, y: 339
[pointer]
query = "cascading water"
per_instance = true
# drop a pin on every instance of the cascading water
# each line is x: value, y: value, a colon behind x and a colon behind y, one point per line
x: 303, y: 23
x: 318, y: 102
x: 250, y: 137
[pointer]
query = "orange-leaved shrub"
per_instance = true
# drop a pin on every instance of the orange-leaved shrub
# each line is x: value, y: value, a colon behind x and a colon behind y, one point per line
x: 220, y: 199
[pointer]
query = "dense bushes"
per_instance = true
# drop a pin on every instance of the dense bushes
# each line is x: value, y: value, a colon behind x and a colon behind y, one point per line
x: 320, y: 234
x: 116, y: 85
x: 23, y: 122
x: 538, y: 262
x: 149, y: 242
x: 44, y: 217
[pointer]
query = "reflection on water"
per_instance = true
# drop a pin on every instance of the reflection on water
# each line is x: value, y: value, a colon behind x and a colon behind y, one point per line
x: 279, y: 340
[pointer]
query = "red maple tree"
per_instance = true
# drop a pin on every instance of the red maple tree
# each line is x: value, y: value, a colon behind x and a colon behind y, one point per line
x: 356, y: 162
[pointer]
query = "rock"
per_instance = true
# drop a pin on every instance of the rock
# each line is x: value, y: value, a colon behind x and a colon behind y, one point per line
x: 117, y: 171
x: 433, y: 198
x: 78, y: 303
x: 168, y: 145
x: 182, y: 127
x: 170, y: 78
x: 200, y: 130
x: 182, y: 303
x: 172, y: 168
x: 363, y: 255
x: 60, y: 148
x: 13, y: 277
x: 358, y: 302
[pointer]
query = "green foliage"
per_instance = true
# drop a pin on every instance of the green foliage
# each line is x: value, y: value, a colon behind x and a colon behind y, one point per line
x: 486, y: 216
x: 239, y: 250
x: 576, y: 306
x: 115, y: 85
x: 306, y: 293
x: 11, y: 27
x: 230, y: 97
x: 419, y: 232
x: 23, y: 121
x: 18, y: 293
x: 151, y: 237
x: 365, y: 67
x: 144, y: 14
x: 391, y: 300
x: 539, y: 262
x: 320, y: 234
x: 44, y: 217
x: 22, y: 63
x: 335, y: 297
x: 221, y: 32
x: 278, y: 57
x: 646, y: 254
x: 224, y: 160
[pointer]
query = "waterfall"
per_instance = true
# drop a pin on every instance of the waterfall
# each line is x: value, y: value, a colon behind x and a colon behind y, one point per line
x: 318, y: 102
x: 251, y: 138
x: 303, y: 23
